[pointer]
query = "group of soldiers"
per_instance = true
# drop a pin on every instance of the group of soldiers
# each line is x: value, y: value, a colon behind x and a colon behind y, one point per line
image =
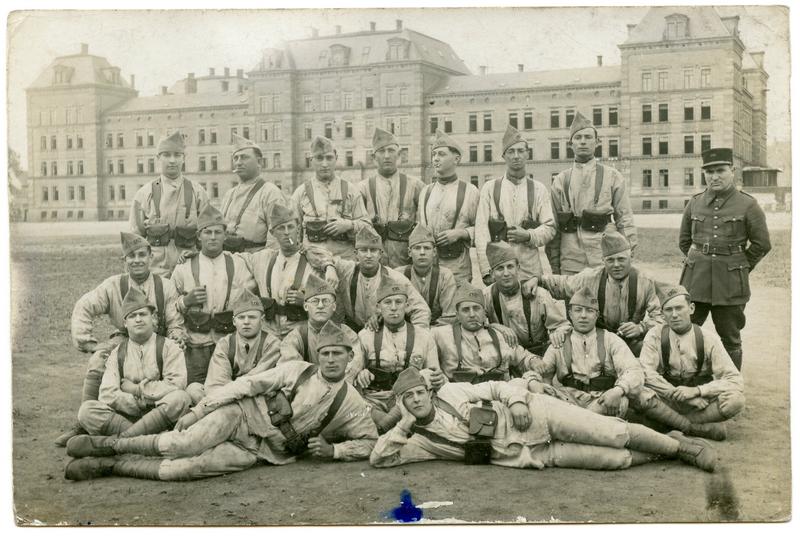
x: 342, y: 323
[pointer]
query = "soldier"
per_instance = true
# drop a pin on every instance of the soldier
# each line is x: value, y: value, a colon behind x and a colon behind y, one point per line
x: 435, y: 283
x: 471, y: 352
x: 166, y: 209
x: 599, y: 372
x: 585, y: 198
x: 301, y: 342
x: 514, y: 209
x: 210, y: 284
x: 142, y: 391
x: 536, y: 319
x: 281, y: 274
x: 717, y: 226
x: 395, y: 346
x: 448, y: 207
x: 248, y: 351
x: 247, y: 206
x: 626, y: 296
x: 359, y: 282
x: 688, y: 367
x: 330, y: 209
x: 391, y: 198
x: 497, y: 423
x: 107, y: 299
x: 274, y: 416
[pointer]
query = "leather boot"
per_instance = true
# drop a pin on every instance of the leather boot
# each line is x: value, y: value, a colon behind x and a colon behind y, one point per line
x: 75, y: 430
x: 115, y: 425
x: 695, y: 451
x: 139, y: 468
x: 641, y: 438
x: 85, y: 445
x: 153, y: 422
x: 89, y: 468
x: 140, y: 445
x: 710, y: 414
x: 91, y: 386
x: 657, y: 410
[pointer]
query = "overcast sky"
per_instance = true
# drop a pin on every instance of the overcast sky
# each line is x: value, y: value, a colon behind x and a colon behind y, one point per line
x: 160, y: 47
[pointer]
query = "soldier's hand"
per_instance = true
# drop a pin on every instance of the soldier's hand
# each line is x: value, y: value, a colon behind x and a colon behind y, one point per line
x: 557, y: 338
x: 319, y: 447
x: 180, y: 339
x: 338, y: 226
x: 364, y: 378
x: 697, y: 403
x: 436, y: 378
x: 611, y: 400
x: 450, y: 236
x: 195, y: 297
x: 521, y: 416
x: 407, y: 419
x: 186, y: 421
x: 684, y: 393
x: 529, y: 287
x: 488, y: 279
x: 374, y: 322
x: 507, y: 333
x: 88, y: 346
x: 293, y: 296
x: 629, y: 330
x: 517, y: 234
x: 129, y: 386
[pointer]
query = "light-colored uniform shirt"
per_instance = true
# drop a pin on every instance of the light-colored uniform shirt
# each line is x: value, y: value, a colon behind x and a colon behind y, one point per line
x: 141, y: 367
x: 173, y: 212
x: 516, y: 207
x: 254, y: 225
x: 295, y: 347
x: 445, y: 297
x: 248, y: 359
x: 569, y: 253
x: 440, y: 213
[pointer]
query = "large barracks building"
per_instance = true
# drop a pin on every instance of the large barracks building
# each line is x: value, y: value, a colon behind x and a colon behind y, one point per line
x: 685, y: 83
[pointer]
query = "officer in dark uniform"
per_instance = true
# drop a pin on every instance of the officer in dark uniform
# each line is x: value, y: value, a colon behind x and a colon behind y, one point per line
x: 723, y: 235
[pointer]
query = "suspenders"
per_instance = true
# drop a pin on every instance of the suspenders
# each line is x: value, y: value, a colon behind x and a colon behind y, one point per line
x: 232, y: 344
x: 378, y: 345
x: 598, y: 184
x: 195, y: 264
x: 122, y: 353
x: 531, y: 191
x: 158, y: 288
x: 633, y: 285
x: 373, y: 193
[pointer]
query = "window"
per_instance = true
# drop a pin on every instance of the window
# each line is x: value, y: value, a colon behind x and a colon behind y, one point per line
x: 82, y: 193
x: 71, y: 193
x: 705, y: 110
x: 234, y: 133
x: 347, y: 101
x: 404, y: 155
x: 389, y: 97
x: 265, y: 132
x: 69, y: 214
x: 79, y: 141
x: 111, y: 192
x: 121, y: 214
x: 54, y: 168
x: 307, y: 134
x: 225, y: 85
x: 473, y: 153
x: 120, y: 140
x: 201, y: 136
x: 80, y: 215
x: 214, y: 163
x: 43, y: 143
x: 277, y: 131
x: 70, y: 168
x: 263, y: 104
x: 308, y: 105
x: 554, y: 119
x: 688, y: 112
x: 647, y: 178
x: 403, y: 126
x: 55, y: 193
x: 663, y: 112
x: 663, y: 204
x: 647, y: 146
x: 201, y: 164
x: 80, y: 167
x: 570, y: 152
x: 53, y: 142
x: 212, y: 133
x: 403, y: 96
x: 530, y: 152
x: 705, y: 142
x: 513, y: 119
x: 487, y: 121
x: 434, y: 124
x: 139, y: 166
x: 688, y: 177
x: 663, y: 77
x: 473, y: 123
x: 150, y: 139
x: 448, y: 124
x: 597, y: 117
x: 246, y: 132
x: 308, y: 160
x: 528, y: 121
x: 647, y: 81
x: 647, y: 113
x: 121, y: 167
x: 598, y: 151
x: 369, y: 127
x: 570, y: 116
x: 122, y: 192
x: 110, y: 215
x: 54, y: 214
x: 69, y: 142
x: 369, y: 102
x: 45, y: 193
x: 613, y: 148
x: 663, y: 178
x: 329, y: 130
x: 151, y: 165
x: 705, y: 78
x: 647, y: 205
x: 276, y: 160
x: 348, y: 159
x: 327, y: 102
x: 139, y: 139
x: 688, y: 145
x: 44, y: 169
x: 215, y: 190
x: 487, y: 153
x: 663, y: 146
x: 687, y: 78
x: 365, y: 54
x: 348, y: 129
x: 555, y: 150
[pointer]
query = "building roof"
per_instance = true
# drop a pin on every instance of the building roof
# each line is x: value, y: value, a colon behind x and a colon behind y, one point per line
x: 704, y: 23
x: 157, y: 103
x: 589, y: 76
x: 80, y: 69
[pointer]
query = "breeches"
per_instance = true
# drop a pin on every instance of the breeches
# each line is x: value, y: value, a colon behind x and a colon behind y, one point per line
x: 728, y: 321
x: 93, y: 415
x: 197, y: 359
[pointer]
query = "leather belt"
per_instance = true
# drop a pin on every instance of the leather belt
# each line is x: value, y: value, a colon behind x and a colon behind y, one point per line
x: 722, y: 249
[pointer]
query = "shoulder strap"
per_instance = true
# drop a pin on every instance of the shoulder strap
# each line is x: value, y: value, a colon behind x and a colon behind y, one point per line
x: 303, y: 329
x: 450, y: 409
x: 343, y: 190
x: 334, y: 408
x: 310, y: 196
x: 531, y: 196
x: 160, y: 340
x: 270, y: 268
x: 373, y: 193
x: 526, y: 309
x: 601, y: 349
x: 123, y: 285
x: 498, y: 186
x: 601, y: 297
x: 155, y: 190
x: 462, y: 192
x: 229, y: 273
x: 567, y: 179
x: 158, y: 287
x: 434, y: 286
x: 566, y: 351
x: 122, y: 353
x: 633, y: 285
x: 354, y: 287
x: 665, y: 349
x: 188, y: 195
x: 409, y: 343
x: 498, y: 310
x: 306, y: 374
x: 700, y: 346
x: 407, y: 272
x: 402, y: 195
x: 300, y: 272
x: 250, y: 195
x: 598, y: 183
x: 457, y: 337
x: 232, y: 344
x: 425, y: 204
x: 435, y: 438
x: 195, y: 264
x: 377, y: 344
x: 496, y: 343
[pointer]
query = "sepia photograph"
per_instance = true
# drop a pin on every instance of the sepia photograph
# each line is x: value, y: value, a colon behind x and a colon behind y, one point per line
x: 377, y: 266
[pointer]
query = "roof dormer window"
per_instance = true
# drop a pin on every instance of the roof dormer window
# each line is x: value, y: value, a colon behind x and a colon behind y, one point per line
x: 677, y: 27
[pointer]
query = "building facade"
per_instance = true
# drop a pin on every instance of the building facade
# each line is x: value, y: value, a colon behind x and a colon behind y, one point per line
x: 685, y: 82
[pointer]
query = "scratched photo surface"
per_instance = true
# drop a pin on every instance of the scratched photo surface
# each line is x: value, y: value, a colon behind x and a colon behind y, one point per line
x: 89, y: 104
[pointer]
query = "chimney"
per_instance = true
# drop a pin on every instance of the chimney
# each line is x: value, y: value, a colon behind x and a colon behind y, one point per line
x: 338, y: 29
x: 191, y: 84
x: 521, y: 67
x: 630, y: 29
x: 240, y: 73
x: 190, y: 76
x: 483, y: 69
x: 133, y: 81
x: 210, y: 71
x: 163, y: 90
x: 84, y: 49
x: 371, y: 26
x: 227, y: 71
x: 399, y: 24
x: 599, y: 60
x: 314, y: 32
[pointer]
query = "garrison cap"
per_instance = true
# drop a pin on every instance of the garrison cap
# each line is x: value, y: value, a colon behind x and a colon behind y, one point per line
x: 316, y: 286
x: 511, y: 137
x: 172, y: 144
x: 367, y: 237
x: 332, y: 336
x: 408, y: 378
x: 585, y: 297
x: 421, y: 234
x: 280, y: 214
x: 468, y: 293
x: 499, y: 253
x: 132, y: 242
x: 382, y: 138
x: 247, y: 301
x: 323, y: 145
x: 613, y: 242
x: 135, y: 300
x: 667, y: 292
x: 579, y: 123
x: 210, y: 217
x: 719, y: 155
x: 240, y: 143
x: 443, y: 140
x: 390, y: 287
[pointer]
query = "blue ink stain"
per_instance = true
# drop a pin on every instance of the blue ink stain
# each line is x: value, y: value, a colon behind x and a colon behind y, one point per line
x: 406, y: 511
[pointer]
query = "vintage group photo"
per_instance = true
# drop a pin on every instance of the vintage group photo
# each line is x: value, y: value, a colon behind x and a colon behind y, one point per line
x: 387, y: 266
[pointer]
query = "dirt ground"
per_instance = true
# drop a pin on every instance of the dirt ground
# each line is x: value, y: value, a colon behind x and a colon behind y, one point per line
x: 48, y: 275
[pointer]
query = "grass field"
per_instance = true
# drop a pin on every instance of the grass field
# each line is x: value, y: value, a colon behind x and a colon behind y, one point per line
x: 48, y: 276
